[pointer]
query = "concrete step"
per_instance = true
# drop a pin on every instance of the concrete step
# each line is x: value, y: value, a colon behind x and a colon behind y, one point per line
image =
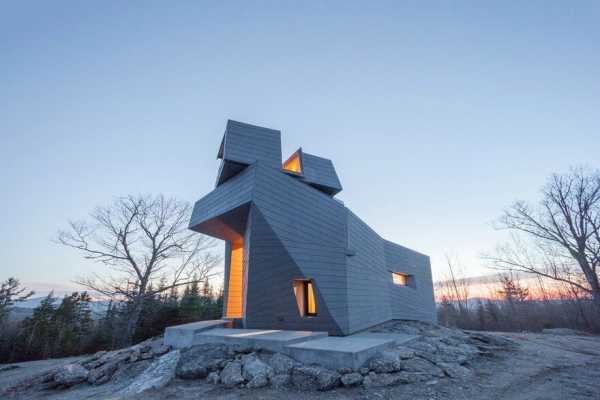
x: 180, y: 336
x: 339, y: 352
x: 272, y: 340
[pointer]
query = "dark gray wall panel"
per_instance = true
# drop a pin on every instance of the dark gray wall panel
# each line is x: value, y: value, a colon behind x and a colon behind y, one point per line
x: 246, y: 144
x: 407, y: 302
x: 368, y: 290
x: 226, y: 197
x: 320, y: 171
x: 270, y: 299
x: 311, y: 226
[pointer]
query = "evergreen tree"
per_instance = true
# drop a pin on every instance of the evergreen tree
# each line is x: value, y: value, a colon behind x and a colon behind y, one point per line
x: 190, y: 307
x: 39, y: 330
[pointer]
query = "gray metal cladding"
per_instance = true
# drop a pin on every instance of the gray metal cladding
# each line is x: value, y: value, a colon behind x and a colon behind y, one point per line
x: 231, y: 194
x: 408, y: 302
x: 311, y: 227
x: 247, y: 144
x: 368, y: 278
x: 293, y: 228
x: 270, y: 301
x: 320, y: 171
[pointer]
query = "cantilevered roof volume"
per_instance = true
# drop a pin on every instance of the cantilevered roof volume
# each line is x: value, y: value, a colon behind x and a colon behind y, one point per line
x: 244, y: 144
x: 316, y: 171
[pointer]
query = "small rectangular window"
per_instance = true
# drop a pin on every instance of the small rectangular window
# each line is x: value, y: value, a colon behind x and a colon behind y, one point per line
x: 400, y: 279
x: 305, y: 297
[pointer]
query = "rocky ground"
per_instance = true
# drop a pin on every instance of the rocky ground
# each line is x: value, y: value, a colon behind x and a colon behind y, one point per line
x: 441, y: 364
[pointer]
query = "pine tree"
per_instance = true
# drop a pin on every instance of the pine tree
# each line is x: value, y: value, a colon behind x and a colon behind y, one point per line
x: 190, y: 307
x: 39, y: 330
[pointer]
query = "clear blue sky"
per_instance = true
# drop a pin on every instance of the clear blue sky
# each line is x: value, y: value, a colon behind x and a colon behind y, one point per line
x: 437, y: 115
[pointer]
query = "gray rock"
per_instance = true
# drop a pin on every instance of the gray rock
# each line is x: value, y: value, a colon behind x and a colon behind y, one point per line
x: 71, y: 374
x: 380, y: 380
x: 213, y: 378
x: 160, y: 350
x: 364, y: 371
x: 158, y: 375
x: 258, y: 381
x: 314, y: 377
x: 198, y: 361
x: 232, y: 374
x: 352, y: 379
x: 255, y: 371
x: 280, y: 381
x: 456, y: 371
x: 103, y: 373
x: 422, y: 366
x: 385, y: 361
x: 282, y: 364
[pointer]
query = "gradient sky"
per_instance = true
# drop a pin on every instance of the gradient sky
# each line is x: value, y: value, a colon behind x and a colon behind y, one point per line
x: 437, y: 115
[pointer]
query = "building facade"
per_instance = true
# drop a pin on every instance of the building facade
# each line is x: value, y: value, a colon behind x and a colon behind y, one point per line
x: 295, y: 256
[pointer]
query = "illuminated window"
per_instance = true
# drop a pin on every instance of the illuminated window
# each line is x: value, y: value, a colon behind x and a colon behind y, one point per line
x: 305, y: 298
x: 400, y: 279
x: 294, y: 163
x: 235, y: 288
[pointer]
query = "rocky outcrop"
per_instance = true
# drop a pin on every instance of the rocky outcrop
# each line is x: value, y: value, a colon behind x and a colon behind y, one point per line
x: 198, y: 361
x: 255, y: 371
x: 314, y: 377
x: 156, y: 376
x: 232, y: 374
x: 70, y: 375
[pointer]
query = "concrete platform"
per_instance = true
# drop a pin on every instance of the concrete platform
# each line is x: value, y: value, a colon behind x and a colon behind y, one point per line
x: 398, y: 338
x: 339, y: 352
x: 272, y: 340
x: 180, y: 336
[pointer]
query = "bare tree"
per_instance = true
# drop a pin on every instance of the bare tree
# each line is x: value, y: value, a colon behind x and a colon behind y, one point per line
x: 11, y: 292
x: 563, y: 232
x: 143, y: 240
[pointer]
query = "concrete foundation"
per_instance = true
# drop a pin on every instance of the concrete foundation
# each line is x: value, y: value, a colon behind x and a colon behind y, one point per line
x: 304, y: 346
x: 180, y: 336
x: 338, y: 352
x: 272, y: 340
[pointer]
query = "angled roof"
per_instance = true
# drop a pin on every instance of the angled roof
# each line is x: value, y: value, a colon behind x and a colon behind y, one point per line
x: 244, y: 144
x: 317, y: 171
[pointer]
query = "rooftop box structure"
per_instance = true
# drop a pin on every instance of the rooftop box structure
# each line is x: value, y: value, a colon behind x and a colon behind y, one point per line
x: 295, y: 257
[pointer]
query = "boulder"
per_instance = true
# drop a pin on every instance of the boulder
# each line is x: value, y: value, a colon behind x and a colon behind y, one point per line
x: 213, y: 378
x: 198, y: 361
x: 385, y: 362
x: 156, y: 376
x: 70, y: 374
x: 314, y: 377
x: 281, y: 381
x: 422, y: 366
x: 232, y: 374
x: 253, y: 369
x: 103, y: 373
x: 352, y: 379
x: 258, y: 381
x: 282, y: 364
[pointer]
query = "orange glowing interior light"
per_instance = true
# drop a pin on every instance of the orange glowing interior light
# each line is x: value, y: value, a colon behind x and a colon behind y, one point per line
x: 235, y: 288
x: 293, y: 164
x: 399, y: 279
x: 311, y: 305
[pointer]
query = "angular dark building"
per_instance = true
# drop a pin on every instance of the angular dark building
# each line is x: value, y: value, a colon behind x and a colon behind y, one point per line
x: 295, y: 257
